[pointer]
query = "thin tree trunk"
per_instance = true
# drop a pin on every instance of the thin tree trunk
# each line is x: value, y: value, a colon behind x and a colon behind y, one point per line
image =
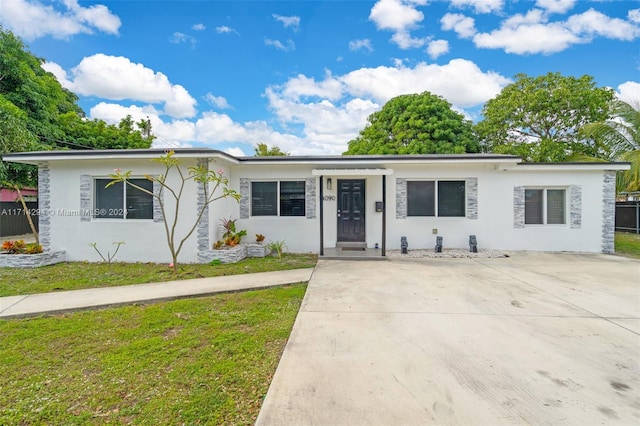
x: 26, y: 211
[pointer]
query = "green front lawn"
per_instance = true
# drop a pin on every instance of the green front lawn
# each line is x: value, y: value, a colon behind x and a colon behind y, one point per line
x: 194, y: 361
x: 627, y: 244
x: 77, y: 275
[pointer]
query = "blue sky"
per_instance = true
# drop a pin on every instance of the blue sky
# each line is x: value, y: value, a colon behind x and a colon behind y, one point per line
x: 305, y: 75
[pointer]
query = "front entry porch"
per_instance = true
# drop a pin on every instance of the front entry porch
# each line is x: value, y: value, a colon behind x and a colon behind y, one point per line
x: 348, y: 253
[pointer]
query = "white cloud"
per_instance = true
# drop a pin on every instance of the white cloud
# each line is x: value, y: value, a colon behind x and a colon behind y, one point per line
x: 288, y: 21
x: 199, y: 27
x: 178, y: 38
x: 528, y: 39
x: 399, y: 16
x: 33, y: 19
x: 464, y: 26
x: 480, y: 6
x: 395, y: 15
x: 287, y: 46
x: 404, y: 40
x: 59, y: 72
x: 302, y: 86
x: 361, y: 44
x: 526, y: 34
x: 117, y: 78
x: 217, y: 101
x: 533, y: 33
x: 556, y: 6
x: 630, y: 92
x: 592, y: 22
x: 316, y: 116
x: 235, y: 151
x: 634, y: 15
x: 225, y: 30
x: 436, y: 48
x: 460, y: 81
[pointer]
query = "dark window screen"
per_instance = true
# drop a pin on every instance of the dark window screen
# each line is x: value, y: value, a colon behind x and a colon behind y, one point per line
x: 264, y: 198
x: 451, y: 198
x: 109, y: 202
x: 292, y: 198
x: 139, y: 203
x: 420, y: 198
x: 533, y: 206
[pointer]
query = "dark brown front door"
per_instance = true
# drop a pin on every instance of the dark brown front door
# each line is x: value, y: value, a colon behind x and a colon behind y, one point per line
x: 351, y: 208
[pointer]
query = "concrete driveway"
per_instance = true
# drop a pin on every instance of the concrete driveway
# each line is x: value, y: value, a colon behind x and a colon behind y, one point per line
x: 535, y: 338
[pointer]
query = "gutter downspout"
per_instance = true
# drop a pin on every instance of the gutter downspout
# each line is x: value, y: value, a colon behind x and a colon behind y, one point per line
x: 321, y: 217
x: 384, y: 215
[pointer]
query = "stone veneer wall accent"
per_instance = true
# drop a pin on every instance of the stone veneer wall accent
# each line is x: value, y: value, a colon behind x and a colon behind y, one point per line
x: 86, y: 183
x: 31, y: 260
x: 518, y: 207
x: 85, y: 198
x: 257, y: 250
x: 575, y: 206
x: 230, y: 255
x: 608, y: 211
x: 401, y: 198
x: 44, y: 205
x: 202, y: 231
x: 472, y: 197
x: 244, y: 197
x: 310, y: 195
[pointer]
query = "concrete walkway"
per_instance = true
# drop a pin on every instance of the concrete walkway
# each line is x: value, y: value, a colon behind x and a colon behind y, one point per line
x: 63, y: 301
x: 536, y: 338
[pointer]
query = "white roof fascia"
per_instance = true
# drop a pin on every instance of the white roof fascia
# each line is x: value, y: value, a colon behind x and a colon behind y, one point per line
x: 567, y: 167
x: 36, y: 159
x: 351, y: 172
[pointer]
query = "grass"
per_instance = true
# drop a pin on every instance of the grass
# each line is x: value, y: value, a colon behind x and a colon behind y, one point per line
x: 193, y: 361
x: 78, y: 275
x: 627, y: 244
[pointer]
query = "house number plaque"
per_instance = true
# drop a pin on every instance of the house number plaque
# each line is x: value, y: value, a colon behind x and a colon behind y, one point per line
x: 329, y: 198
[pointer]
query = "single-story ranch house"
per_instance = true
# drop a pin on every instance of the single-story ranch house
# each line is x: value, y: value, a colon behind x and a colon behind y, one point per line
x: 318, y: 203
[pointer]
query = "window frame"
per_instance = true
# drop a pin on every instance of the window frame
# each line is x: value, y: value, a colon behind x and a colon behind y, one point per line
x: 280, y: 201
x: 545, y: 205
x: 125, y: 188
x: 436, y: 194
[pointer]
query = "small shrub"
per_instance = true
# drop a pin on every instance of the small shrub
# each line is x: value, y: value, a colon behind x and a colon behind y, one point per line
x: 215, y: 262
x: 259, y: 238
x: 19, y: 247
x: 276, y: 246
x: 33, y: 248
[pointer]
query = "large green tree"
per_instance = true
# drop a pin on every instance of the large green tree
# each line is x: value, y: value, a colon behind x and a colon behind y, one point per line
x: 263, y: 150
x: 36, y: 92
x: 539, y: 118
x: 37, y: 113
x: 621, y: 135
x: 80, y: 132
x: 415, y: 124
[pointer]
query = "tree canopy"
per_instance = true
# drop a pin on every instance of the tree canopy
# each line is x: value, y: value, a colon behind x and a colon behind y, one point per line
x: 37, y: 113
x: 263, y: 150
x: 539, y: 118
x: 620, y: 134
x: 415, y: 124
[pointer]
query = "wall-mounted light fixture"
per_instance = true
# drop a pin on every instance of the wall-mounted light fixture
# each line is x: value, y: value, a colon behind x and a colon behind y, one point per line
x: 328, y: 183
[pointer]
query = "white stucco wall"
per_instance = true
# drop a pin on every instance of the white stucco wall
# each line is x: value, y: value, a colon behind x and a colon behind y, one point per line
x: 494, y: 227
x: 145, y: 240
x: 300, y: 233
